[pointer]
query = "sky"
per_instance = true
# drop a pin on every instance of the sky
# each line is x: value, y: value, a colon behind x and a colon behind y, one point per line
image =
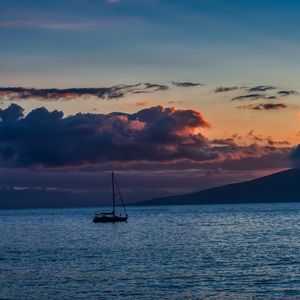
x: 174, y: 96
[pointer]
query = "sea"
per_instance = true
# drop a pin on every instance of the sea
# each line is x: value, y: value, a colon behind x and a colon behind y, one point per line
x: 247, y: 251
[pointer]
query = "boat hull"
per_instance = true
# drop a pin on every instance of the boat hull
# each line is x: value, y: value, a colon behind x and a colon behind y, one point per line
x: 109, y: 219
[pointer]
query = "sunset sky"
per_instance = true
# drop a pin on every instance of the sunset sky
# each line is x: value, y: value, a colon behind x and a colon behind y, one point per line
x: 175, y: 96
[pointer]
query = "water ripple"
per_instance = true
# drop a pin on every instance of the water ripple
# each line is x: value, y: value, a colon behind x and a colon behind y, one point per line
x: 181, y: 252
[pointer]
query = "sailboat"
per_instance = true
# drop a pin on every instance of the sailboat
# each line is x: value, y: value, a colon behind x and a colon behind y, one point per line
x: 106, y: 217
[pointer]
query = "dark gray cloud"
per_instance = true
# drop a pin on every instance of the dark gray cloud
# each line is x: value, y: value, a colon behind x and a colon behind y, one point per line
x: 223, y: 89
x: 295, y: 156
x: 158, y: 135
x: 267, y: 140
x: 264, y: 106
x: 261, y: 88
x: 50, y: 139
x: 285, y: 93
x: 54, y: 94
x: 255, y: 89
x: 249, y: 97
x: 186, y: 84
x: 147, y: 88
x: 271, y: 142
x: 12, y: 113
x: 262, y: 92
x: 256, y: 138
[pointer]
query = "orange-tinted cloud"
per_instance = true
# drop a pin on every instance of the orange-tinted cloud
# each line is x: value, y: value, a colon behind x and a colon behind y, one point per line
x: 156, y: 135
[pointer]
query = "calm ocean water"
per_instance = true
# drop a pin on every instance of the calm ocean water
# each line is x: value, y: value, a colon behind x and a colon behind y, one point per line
x: 174, y: 252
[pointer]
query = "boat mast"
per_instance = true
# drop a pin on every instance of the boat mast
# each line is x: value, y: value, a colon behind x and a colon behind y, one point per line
x: 113, y: 191
x: 120, y: 195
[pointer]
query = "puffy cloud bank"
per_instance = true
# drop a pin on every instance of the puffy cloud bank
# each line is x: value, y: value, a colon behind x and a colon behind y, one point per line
x: 50, y: 139
x: 155, y: 135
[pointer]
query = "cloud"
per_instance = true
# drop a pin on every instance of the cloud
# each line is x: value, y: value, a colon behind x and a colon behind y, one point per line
x: 254, y: 137
x: 261, y: 88
x: 263, y: 92
x: 266, y: 140
x: 186, y: 84
x: 231, y: 141
x: 54, y: 94
x: 163, y: 136
x: 12, y: 113
x: 264, y: 106
x: 271, y: 142
x: 249, y: 97
x: 222, y: 89
x: 149, y: 88
x: 284, y: 93
x: 49, y: 139
x: 256, y: 89
x: 295, y: 156
x: 122, y: 90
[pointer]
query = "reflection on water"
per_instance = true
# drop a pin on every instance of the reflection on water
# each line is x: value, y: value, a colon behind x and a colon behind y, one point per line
x: 176, y: 252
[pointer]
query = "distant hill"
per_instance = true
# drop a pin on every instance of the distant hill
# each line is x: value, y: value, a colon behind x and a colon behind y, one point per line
x: 279, y: 187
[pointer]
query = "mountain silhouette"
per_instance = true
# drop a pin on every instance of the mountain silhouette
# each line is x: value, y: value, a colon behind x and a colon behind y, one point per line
x: 279, y: 187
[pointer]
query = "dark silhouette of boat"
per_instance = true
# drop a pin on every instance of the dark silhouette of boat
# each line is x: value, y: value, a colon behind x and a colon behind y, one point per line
x: 106, y: 217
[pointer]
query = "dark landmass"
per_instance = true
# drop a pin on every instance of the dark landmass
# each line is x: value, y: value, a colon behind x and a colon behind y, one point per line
x: 278, y: 187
